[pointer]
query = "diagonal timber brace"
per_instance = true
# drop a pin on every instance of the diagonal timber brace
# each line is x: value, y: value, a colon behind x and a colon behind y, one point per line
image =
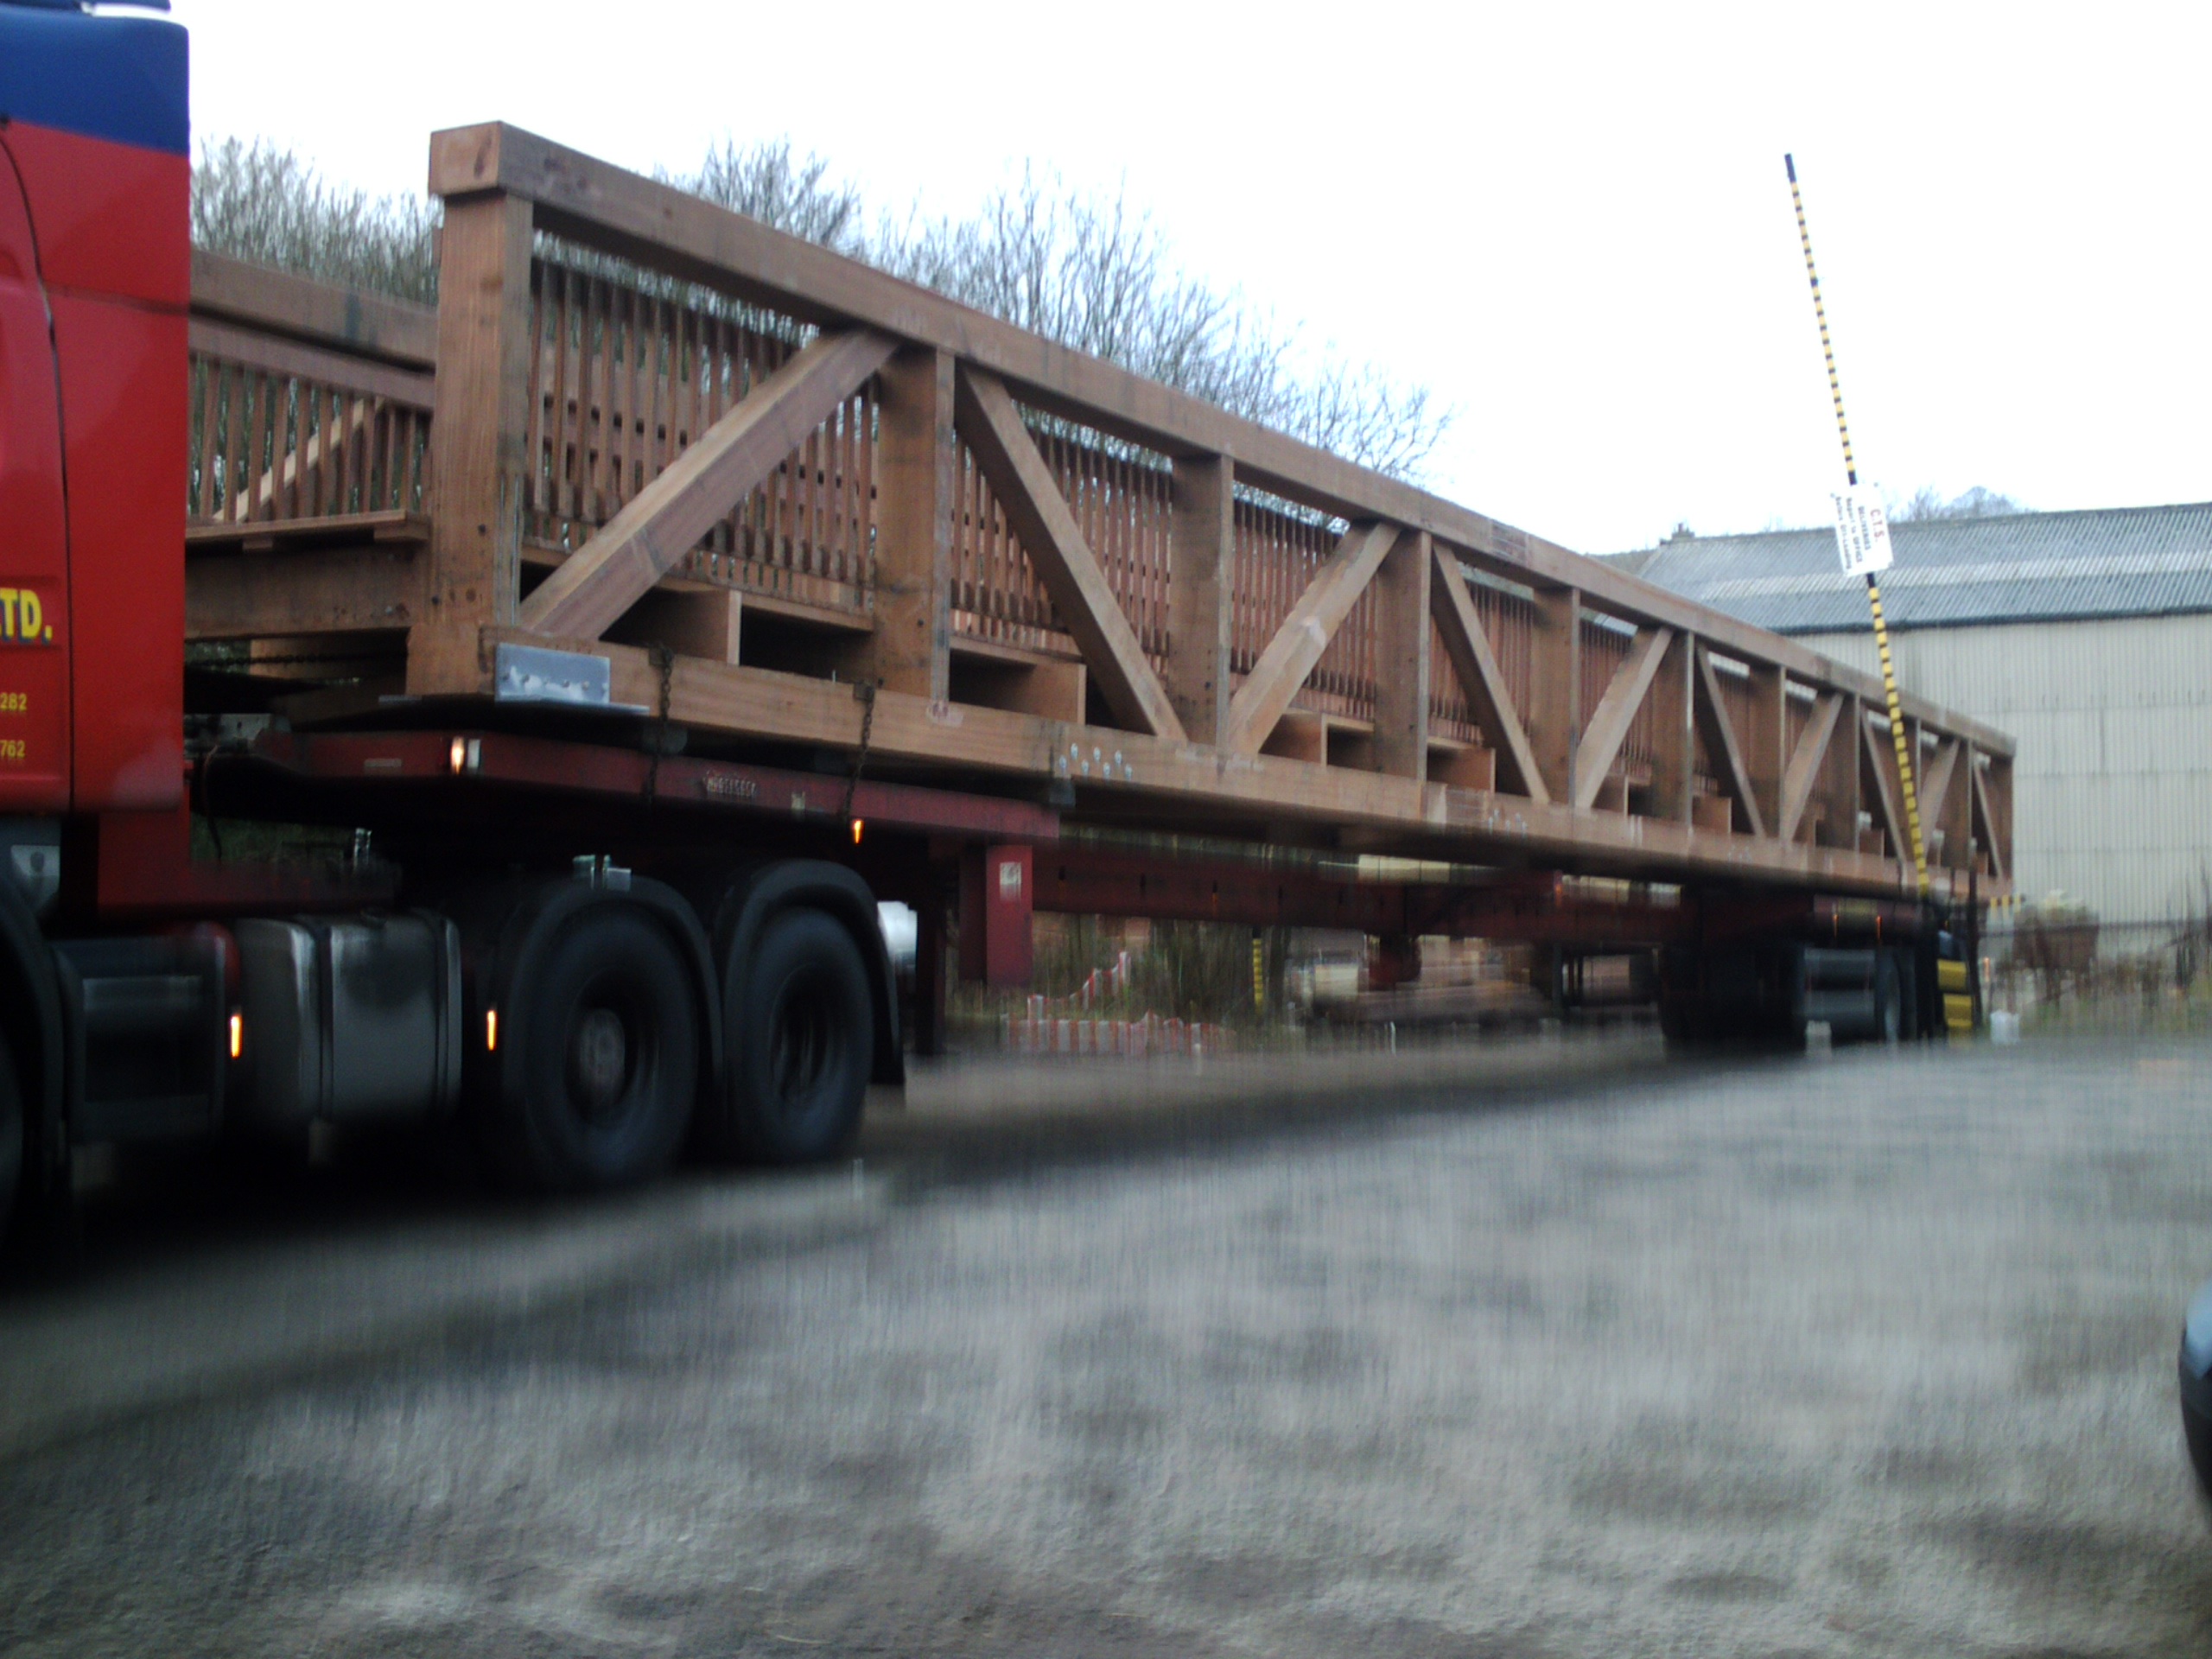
x: 1616, y: 712
x: 664, y: 520
x: 1985, y: 823
x: 1482, y: 679
x: 326, y: 449
x: 992, y: 428
x: 1720, y: 743
x: 1936, y: 789
x: 1282, y: 666
x: 1875, y: 768
x: 1805, y: 765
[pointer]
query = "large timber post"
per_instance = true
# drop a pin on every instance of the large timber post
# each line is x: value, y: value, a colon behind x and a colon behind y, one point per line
x: 1766, y: 745
x: 479, y: 471
x: 1556, y: 687
x: 1841, y: 827
x: 1674, y: 732
x: 1202, y: 568
x: 1403, y: 631
x: 917, y: 473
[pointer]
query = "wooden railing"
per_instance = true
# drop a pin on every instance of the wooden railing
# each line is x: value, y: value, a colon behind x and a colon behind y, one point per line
x: 307, y: 403
x: 625, y: 377
x: 623, y: 380
x: 650, y: 416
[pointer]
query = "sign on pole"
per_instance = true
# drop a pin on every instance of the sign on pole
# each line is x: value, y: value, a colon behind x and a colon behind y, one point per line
x: 1862, y: 531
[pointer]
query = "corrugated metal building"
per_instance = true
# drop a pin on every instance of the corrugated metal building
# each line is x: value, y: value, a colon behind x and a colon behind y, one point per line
x: 2087, y: 635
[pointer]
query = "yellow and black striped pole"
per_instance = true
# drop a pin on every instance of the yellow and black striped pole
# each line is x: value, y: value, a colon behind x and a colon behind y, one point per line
x: 1873, y: 593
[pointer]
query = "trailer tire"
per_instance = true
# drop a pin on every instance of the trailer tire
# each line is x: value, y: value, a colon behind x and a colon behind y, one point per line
x: 800, y: 1041
x: 603, y: 1096
x: 1889, y: 1028
x: 1683, y: 1024
x: 1680, y: 1005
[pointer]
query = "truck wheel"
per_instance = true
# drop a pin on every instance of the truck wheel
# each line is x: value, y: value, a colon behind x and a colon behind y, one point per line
x: 799, y: 1044
x: 603, y: 1094
x: 11, y: 1135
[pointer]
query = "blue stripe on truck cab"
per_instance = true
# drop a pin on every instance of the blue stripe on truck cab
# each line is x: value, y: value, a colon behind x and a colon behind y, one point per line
x: 120, y: 79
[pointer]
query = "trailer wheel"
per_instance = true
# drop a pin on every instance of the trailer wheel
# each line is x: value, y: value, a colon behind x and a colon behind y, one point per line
x: 602, y: 1095
x: 799, y: 1044
x: 1683, y: 1023
x: 1889, y: 1000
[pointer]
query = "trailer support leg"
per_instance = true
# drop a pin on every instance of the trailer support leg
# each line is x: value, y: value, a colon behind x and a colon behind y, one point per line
x: 997, y: 886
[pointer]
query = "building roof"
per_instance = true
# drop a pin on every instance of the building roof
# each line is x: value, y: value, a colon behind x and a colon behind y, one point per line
x: 2028, y: 567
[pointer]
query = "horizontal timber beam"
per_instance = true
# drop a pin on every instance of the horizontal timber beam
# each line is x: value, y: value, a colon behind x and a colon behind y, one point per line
x: 346, y: 319
x: 346, y: 589
x: 1168, y: 773
x: 252, y: 348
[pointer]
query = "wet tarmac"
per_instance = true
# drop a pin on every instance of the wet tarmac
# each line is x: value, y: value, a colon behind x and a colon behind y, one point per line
x: 1865, y: 1353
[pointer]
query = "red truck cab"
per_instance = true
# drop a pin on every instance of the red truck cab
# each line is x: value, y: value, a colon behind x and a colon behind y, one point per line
x: 95, y: 279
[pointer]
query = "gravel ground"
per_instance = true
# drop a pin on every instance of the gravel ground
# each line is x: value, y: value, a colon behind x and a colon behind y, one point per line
x: 1860, y: 1354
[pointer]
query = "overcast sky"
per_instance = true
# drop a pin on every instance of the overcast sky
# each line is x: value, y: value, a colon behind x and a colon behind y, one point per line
x: 1570, y: 221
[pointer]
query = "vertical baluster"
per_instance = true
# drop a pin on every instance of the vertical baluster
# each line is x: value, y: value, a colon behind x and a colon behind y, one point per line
x: 568, y: 396
x: 202, y: 500
x: 536, y: 442
x: 258, y: 451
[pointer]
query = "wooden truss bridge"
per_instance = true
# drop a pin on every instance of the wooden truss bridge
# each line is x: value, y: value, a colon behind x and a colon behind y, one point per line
x: 763, y: 481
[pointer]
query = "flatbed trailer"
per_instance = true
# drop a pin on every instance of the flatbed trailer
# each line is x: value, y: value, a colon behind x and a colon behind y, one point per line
x: 680, y: 588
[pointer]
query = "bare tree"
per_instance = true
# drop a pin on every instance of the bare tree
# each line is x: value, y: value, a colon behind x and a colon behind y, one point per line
x: 791, y: 193
x: 1928, y: 503
x: 1093, y: 273
x: 1088, y: 270
x: 256, y: 201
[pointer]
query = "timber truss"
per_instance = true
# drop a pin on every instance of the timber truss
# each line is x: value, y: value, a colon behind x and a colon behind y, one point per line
x: 638, y: 422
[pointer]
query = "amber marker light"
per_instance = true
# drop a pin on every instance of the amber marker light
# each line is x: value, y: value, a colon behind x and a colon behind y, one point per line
x: 490, y: 1029
x: 238, y: 1034
x: 856, y: 832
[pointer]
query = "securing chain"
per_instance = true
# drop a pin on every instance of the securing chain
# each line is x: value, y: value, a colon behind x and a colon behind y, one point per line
x: 865, y: 690
x: 663, y: 661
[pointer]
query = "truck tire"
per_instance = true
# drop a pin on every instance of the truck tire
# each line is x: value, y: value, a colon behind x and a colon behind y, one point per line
x: 11, y: 1135
x: 603, y: 1094
x: 799, y: 1044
